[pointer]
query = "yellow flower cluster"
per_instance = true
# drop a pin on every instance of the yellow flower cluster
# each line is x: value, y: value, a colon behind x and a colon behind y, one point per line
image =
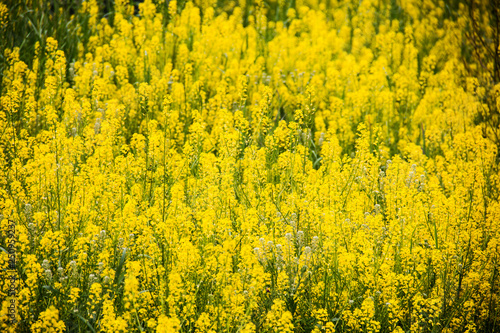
x: 268, y: 166
x: 49, y: 322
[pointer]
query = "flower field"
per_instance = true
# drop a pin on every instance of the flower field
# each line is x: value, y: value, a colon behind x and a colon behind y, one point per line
x: 237, y: 166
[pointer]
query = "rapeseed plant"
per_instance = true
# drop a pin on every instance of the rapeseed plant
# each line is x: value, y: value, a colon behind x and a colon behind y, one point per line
x: 267, y: 166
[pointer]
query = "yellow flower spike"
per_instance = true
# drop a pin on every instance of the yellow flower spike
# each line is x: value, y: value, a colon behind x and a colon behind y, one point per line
x: 172, y: 9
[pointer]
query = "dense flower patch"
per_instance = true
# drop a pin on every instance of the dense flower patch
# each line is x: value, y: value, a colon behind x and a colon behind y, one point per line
x: 304, y: 166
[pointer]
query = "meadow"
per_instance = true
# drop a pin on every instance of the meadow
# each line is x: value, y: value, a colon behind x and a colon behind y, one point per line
x: 238, y: 166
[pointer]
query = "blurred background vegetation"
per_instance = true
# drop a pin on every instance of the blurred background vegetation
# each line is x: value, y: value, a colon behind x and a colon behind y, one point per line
x: 28, y: 23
